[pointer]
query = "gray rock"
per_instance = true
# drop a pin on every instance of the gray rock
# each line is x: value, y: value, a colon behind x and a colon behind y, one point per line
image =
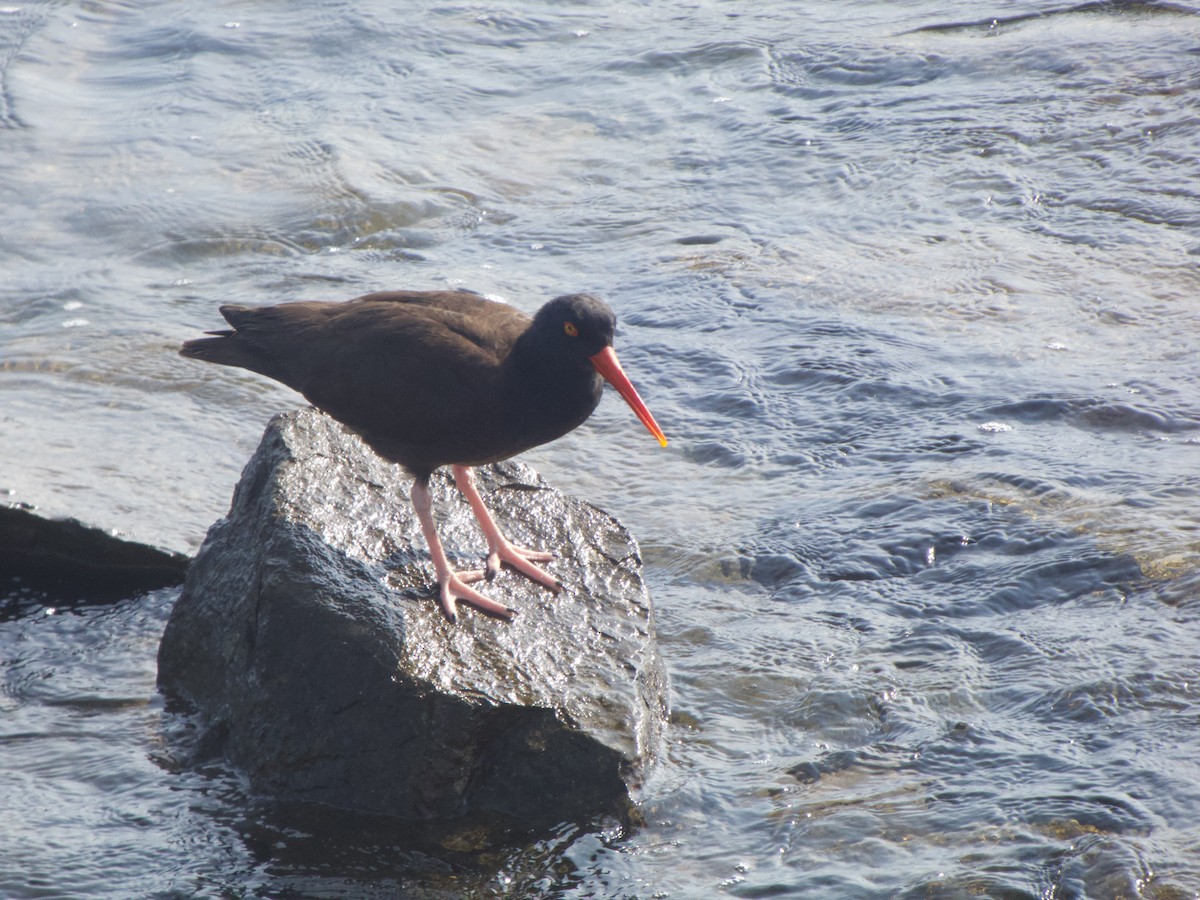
x: 308, y: 637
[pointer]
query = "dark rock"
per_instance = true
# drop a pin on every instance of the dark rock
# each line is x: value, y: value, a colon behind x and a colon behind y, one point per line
x: 309, y: 638
x: 70, y: 561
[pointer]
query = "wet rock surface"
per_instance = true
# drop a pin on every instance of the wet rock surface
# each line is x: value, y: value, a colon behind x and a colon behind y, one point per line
x: 309, y: 640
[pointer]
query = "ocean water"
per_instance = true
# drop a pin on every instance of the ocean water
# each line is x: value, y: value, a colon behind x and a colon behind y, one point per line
x: 912, y: 287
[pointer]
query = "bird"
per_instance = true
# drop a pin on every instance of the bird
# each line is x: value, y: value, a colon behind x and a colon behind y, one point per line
x: 439, y: 378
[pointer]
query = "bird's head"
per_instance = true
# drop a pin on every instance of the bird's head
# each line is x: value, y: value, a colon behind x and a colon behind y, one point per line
x: 581, y: 327
x: 576, y: 325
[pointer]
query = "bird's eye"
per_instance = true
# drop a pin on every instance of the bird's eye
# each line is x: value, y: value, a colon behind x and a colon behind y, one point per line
x: 570, y: 329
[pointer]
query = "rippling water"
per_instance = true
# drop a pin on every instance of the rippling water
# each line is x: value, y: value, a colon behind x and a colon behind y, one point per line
x: 913, y: 288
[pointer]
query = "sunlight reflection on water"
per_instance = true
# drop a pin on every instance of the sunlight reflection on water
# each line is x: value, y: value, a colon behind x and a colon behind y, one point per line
x: 911, y: 290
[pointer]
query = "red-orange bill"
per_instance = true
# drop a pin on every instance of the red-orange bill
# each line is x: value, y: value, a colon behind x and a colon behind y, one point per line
x: 605, y: 362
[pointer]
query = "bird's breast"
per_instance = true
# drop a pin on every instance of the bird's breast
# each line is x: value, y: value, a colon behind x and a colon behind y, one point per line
x: 545, y: 408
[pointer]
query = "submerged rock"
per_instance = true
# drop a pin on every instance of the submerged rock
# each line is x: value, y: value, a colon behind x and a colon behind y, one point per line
x: 309, y: 638
x: 73, y: 562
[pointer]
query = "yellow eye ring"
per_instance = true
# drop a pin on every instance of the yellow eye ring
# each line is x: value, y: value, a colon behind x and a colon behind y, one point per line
x: 570, y: 329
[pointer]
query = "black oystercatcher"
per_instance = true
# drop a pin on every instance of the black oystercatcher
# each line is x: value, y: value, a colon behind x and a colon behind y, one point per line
x: 434, y: 378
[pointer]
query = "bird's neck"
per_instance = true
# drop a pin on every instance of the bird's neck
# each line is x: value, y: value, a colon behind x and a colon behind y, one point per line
x: 562, y: 390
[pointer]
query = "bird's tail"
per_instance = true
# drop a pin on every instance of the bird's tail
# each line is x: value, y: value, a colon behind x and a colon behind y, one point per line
x: 209, y: 349
x: 225, y: 347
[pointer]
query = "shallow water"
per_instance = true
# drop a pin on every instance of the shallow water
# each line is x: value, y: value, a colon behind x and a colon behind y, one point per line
x: 912, y: 288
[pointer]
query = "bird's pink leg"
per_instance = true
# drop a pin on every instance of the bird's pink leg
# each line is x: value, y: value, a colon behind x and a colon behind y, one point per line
x: 453, y: 586
x: 500, y: 549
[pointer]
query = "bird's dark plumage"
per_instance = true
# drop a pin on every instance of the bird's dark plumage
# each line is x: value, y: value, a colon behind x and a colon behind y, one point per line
x: 433, y: 378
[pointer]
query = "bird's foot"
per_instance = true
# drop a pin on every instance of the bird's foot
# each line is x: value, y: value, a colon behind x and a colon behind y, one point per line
x: 500, y: 549
x: 455, y: 586
x: 505, y: 552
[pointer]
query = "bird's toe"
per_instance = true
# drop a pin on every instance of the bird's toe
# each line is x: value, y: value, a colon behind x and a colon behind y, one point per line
x: 455, y: 588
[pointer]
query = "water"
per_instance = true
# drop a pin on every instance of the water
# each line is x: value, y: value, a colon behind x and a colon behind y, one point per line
x: 910, y: 286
